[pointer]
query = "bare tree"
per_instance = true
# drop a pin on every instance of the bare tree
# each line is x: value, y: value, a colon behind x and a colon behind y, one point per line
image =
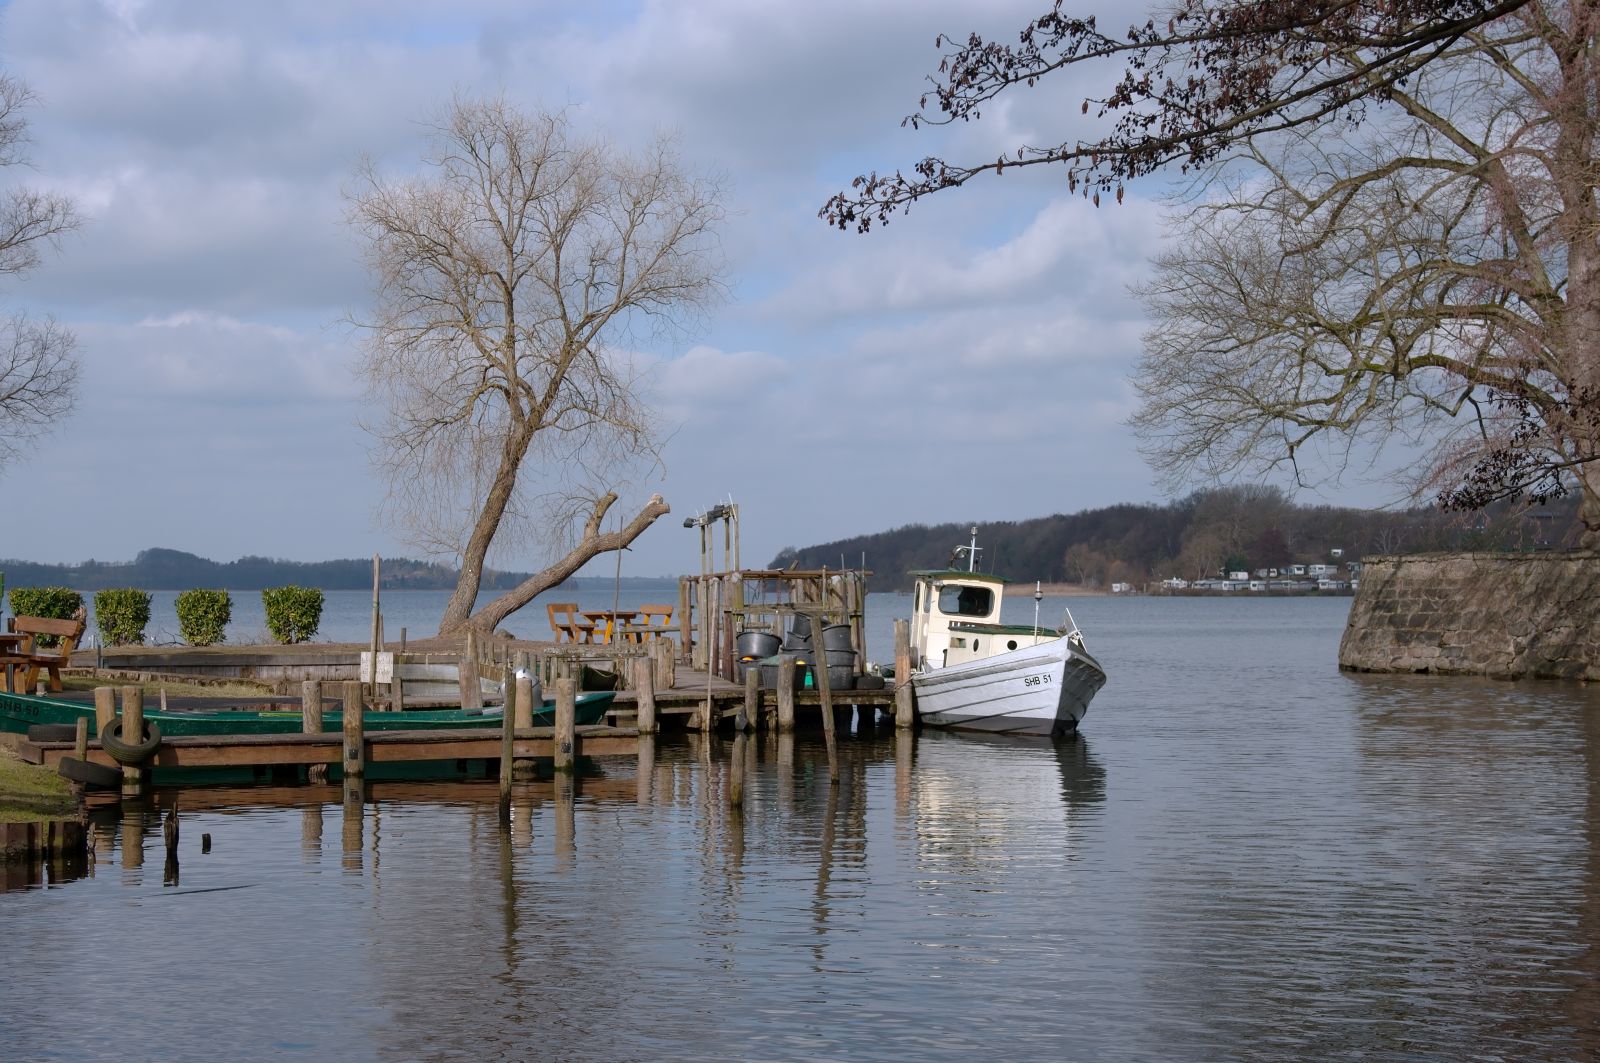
x: 1205, y: 77
x: 1432, y: 275
x: 506, y: 278
x: 38, y: 366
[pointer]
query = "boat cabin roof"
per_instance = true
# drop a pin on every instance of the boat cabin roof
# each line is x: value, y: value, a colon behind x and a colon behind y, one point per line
x: 958, y: 574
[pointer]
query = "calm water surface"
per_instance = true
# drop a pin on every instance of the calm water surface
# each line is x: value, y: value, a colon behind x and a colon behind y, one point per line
x: 1248, y: 855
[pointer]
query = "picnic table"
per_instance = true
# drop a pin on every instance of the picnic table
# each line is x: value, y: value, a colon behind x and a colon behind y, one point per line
x: 612, y: 624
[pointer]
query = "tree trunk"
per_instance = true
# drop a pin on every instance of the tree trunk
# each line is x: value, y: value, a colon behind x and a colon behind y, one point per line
x: 593, y: 543
x: 1589, y: 506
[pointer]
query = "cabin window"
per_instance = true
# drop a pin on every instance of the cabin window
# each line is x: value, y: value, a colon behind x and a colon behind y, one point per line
x: 1011, y: 644
x: 965, y: 601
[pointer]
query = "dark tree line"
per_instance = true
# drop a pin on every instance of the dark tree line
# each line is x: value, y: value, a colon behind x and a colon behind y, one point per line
x: 1195, y: 536
x: 160, y: 569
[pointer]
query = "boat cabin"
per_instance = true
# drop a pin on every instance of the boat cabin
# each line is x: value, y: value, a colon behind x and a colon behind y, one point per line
x: 956, y: 617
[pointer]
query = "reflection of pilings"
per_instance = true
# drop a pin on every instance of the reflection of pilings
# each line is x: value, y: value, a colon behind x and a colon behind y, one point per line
x: 311, y: 833
x: 522, y: 823
x: 169, y: 836
x: 736, y: 770
x: 645, y: 781
x: 786, y: 770
x: 905, y: 746
x: 820, y: 907
x: 132, y: 835
x: 354, y: 812
x: 566, y: 831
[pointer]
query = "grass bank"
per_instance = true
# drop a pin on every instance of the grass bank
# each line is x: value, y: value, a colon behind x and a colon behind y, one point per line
x: 31, y: 792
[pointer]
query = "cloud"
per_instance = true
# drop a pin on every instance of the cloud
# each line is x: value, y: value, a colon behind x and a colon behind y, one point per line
x: 961, y: 362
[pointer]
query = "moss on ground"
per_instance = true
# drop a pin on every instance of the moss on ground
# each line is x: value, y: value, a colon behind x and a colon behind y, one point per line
x: 32, y: 792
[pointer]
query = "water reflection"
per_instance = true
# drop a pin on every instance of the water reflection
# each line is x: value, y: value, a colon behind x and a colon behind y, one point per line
x: 1376, y: 869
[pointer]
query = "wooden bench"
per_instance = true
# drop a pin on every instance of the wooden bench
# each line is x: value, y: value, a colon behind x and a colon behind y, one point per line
x: 41, y: 659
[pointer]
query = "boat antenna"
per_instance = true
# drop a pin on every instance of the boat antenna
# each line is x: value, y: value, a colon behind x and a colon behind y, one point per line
x: 1038, y: 593
x: 971, y: 551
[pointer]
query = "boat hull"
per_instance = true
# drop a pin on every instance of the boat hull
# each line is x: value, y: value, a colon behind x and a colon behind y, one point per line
x: 1040, y: 690
x: 20, y: 711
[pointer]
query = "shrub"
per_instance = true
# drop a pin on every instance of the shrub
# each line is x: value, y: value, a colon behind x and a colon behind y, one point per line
x: 293, y: 613
x: 54, y: 603
x: 203, y: 616
x: 121, y: 615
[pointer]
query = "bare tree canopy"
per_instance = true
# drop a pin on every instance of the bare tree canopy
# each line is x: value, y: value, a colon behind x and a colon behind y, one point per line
x: 505, y: 278
x: 38, y: 367
x: 1213, y: 74
x: 1433, y: 275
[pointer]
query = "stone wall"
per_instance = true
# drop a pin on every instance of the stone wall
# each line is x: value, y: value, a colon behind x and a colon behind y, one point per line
x: 1508, y: 616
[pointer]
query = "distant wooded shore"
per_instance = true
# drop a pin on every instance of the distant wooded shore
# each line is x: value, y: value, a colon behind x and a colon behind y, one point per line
x: 162, y: 569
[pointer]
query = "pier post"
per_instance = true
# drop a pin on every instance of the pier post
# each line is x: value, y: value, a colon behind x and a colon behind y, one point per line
x: 133, y: 775
x: 566, y: 753
x: 355, y: 746
x: 785, y: 694
x: 311, y: 723
x: 666, y: 662
x: 397, y: 689
x: 523, y: 768
x: 645, y: 693
x: 508, y: 736
x: 750, y: 715
x: 105, y: 707
x: 467, y: 673
x: 905, y: 711
x: 80, y: 739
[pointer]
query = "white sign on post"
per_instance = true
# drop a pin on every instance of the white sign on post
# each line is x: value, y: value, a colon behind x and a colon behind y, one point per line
x: 385, y: 668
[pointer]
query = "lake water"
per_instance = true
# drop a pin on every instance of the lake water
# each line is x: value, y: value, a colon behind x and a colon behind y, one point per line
x: 1247, y: 856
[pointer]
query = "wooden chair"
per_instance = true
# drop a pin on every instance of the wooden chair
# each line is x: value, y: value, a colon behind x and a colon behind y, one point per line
x: 565, y: 620
x: 51, y: 660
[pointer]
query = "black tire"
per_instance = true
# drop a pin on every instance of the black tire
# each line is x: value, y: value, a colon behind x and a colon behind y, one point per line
x: 130, y: 752
x: 52, y: 732
x: 869, y: 682
x: 90, y: 774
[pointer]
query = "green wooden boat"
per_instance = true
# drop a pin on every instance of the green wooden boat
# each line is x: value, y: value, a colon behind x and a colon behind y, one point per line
x: 18, y: 712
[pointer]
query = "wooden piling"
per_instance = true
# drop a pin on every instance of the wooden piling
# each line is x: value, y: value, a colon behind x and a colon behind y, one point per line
x: 355, y: 746
x: 105, y: 707
x: 820, y: 671
x: 905, y: 710
x: 750, y: 715
x: 666, y: 662
x: 508, y: 736
x: 311, y: 723
x: 397, y: 691
x: 785, y: 694
x: 645, y: 694
x: 471, y: 689
x: 566, y: 720
x: 133, y: 775
x: 80, y: 739
x: 524, y: 768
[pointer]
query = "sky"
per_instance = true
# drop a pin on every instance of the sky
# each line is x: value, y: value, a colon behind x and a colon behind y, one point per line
x: 967, y: 363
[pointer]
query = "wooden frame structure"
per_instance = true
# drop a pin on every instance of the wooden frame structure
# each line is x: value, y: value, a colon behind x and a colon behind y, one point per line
x: 714, y: 607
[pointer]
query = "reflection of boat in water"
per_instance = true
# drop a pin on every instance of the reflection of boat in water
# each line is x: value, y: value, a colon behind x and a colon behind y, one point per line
x: 975, y: 791
x: 973, y: 673
x: 18, y: 712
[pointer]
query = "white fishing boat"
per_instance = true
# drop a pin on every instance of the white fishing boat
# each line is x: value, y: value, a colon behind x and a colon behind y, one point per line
x: 972, y: 672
